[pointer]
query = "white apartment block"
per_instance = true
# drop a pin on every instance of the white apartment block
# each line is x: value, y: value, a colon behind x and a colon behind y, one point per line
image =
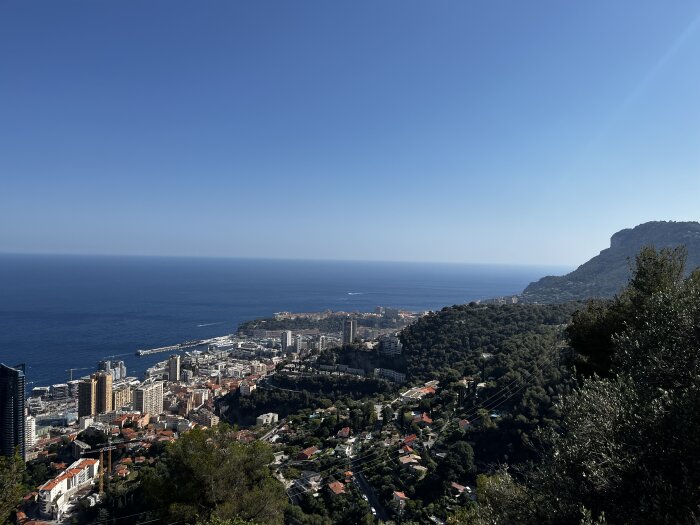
x: 148, y: 398
x: 247, y: 388
x: 54, y: 495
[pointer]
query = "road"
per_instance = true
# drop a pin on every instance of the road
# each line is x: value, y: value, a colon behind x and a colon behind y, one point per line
x: 273, y: 431
x: 366, y: 488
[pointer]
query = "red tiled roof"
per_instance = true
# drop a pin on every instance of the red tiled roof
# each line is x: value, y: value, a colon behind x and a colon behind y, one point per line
x: 337, y: 487
x: 308, y: 452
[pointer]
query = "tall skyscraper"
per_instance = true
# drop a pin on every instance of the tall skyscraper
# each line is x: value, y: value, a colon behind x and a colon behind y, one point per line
x: 103, y: 391
x: 349, y: 330
x: 286, y: 339
x: 87, y: 397
x: 174, y: 368
x: 11, y: 410
x: 148, y: 398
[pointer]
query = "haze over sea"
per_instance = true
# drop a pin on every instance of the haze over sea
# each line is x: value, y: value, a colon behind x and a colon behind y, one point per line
x: 60, y: 312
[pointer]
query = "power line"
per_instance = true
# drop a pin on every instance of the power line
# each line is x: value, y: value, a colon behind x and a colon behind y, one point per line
x: 486, y: 405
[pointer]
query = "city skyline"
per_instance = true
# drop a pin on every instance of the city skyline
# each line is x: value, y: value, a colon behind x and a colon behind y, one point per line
x: 400, y: 131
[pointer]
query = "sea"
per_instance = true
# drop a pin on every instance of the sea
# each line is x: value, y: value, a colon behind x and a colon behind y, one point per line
x: 59, y: 312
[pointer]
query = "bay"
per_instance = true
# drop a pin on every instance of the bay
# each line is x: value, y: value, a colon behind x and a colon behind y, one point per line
x: 61, y: 312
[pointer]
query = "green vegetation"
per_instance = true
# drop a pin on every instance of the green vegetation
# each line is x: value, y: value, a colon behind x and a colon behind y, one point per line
x: 627, y: 447
x: 11, y: 487
x: 207, y: 475
x: 452, y: 343
x: 330, y: 324
x: 290, y: 394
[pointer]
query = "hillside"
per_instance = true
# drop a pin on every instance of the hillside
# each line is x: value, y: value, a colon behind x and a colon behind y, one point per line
x: 607, y: 273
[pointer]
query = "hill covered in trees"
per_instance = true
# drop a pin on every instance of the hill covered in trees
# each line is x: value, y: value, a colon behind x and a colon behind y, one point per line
x: 607, y: 273
x: 625, y: 447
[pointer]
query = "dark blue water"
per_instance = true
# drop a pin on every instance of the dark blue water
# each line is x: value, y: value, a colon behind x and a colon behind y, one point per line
x: 60, y: 312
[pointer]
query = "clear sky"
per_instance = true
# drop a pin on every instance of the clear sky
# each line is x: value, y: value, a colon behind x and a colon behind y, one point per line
x: 474, y: 131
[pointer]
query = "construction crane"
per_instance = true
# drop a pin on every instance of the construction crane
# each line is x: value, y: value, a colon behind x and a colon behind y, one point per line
x: 109, y: 448
x: 71, y: 370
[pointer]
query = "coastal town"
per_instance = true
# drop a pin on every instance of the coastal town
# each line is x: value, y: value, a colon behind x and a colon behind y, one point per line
x: 102, y: 428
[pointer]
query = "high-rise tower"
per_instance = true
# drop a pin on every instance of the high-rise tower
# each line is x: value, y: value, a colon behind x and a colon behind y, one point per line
x: 103, y: 391
x: 87, y: 397
x: 349, y: 330
x: 174, y: 368
x: 11, y: 410
x: 286, y: 340
x: 148, y: 398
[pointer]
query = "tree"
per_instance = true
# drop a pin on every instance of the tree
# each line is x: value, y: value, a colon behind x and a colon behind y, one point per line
x: 592, y: 330
x: 11, y: 488
x: 627, y: 447
x: 206, y: 474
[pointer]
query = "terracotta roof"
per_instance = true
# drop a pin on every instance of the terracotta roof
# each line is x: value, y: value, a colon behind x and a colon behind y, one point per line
x: 337, y: 487
x: 400, y: 495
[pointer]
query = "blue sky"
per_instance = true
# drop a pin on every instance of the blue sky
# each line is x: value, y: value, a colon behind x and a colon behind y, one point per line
x: 504, y: 132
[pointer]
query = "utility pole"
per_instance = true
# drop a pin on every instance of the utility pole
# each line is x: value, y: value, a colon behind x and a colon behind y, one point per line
x: 109, y: 463
x: 102, y: 472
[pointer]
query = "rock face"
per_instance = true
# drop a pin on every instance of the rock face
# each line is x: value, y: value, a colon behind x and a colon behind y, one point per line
x: 607, y: 273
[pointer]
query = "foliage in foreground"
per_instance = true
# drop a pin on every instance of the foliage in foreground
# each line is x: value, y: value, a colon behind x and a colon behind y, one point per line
x: 11, y: 488
x: 206, y: 475
x: 628, y: 447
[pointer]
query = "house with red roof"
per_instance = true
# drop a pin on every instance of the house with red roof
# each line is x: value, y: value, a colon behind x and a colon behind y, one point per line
x: 336, y: 488
x: 307, y: 453
x: 410, y: 439
x: 400, y: 499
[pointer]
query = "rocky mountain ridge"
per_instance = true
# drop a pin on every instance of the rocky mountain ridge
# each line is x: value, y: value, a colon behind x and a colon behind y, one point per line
x: 608, y: 272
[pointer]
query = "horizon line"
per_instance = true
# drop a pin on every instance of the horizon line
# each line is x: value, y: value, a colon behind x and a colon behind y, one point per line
x: 568, y: 267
